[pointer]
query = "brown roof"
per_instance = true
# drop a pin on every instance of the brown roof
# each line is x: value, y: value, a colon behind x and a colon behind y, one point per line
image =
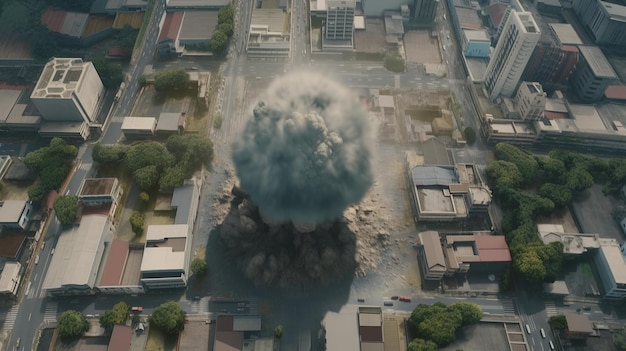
x: 97, y: 24
x: 432, y: 248
x: 228, y: 341
x: 133, y: 19
x: 171, y: 26
x: 10, y: 244
x: 615, y: 92
x: 492, y: 248
x: 554, y: 115
x: 496, y: 12
x: 578, y: 323
x: 121, y: 338
x: 14, y: 45
x: 115, y: 263
x: 97, y: 186
x: 371, y: 334
x: 225, y: 323
x: 53, y: 19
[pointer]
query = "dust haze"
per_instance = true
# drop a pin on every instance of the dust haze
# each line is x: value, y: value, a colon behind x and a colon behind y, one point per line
x: 305, y: 154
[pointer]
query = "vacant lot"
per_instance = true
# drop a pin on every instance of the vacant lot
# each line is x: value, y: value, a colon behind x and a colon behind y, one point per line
x: 478, y: 337
x: 420, y: 47
x: 196, y: 335
x: 592, y: 210
x: 372, y: 39
x: 152, y: 104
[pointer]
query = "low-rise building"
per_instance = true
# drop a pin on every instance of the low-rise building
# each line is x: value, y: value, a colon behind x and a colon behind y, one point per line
x: 268, y: 36
x: 238, y: 333
x: 578, y: 326
x: 476, y: 252
x: 165, y: 262
x: 12, y: 245
x: 171, y: 123
x: 104, y: 192
x: 15, y: 214
x: 74, y: 131
x: 139, y: 127
x: 574, y: 244
x: 476, y: 43
x: 10, y: 277
x: 593, y: 74
x: 431, y: 256
x: 78, y: 253
x: 121, y: 269
x: 530, y: 101
x: 121, y: 338
x: 611, y: 269
x: 341, y: 329
x: 370, y: 320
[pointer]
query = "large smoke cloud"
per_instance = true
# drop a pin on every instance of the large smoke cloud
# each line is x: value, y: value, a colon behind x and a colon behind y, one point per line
x: 304, y: 156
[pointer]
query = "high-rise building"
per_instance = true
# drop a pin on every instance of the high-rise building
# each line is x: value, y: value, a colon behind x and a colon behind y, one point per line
x: 340, y: 19
x: 604, y: 20
x: 508, y: 61
x: 551, y: 65
x: 68, y: 90
x: 593, y: 74
x: 424, y: 11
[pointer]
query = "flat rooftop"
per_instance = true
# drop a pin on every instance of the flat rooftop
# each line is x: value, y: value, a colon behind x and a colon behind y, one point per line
x: 10, y: 244
x: 616, y: 12
x: 342, y: 331
x: 613, y: 255
x: 273, y: 19
x: 8, y: 99
x: 10, y: 210
x: 60, y: 78
x: 434, y: 200
x: 598, y: 62
x: 198, y: 25
x: 97, y: 186
x: 565, y: 34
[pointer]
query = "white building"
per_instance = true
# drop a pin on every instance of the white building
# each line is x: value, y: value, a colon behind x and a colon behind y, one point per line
x: 611, y: 269
x: 10, y: 279
x: 165, y: 262
x: 15, y: 214
x: 508, y: 61
x: 74, y: 266
x: 139, y: 126
x: 68, y: 90
x: 268, y: 38
x: 339, y: 25
x: 530, y: 100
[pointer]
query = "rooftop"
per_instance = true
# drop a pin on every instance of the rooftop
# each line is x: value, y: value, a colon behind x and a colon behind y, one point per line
x: 171, y: 26
x: 496, y: 13
x: 10, y: 244
x: 197, y: 3
x: 121, y: 338
x: 342, y: 331
x: 165, y: 247
x: 115, y: 263
x: 169, y: 121
x: 476, y: 35
x: 492, y: 248
x: 434, y: 175
x: 10, y: 277
x: 8, y: 98
x: 97, y: 186
x: 565, y: 34
x: 598, y: 62
x: 616, y: 12
x: 198, y: 25
x: 435, y: 152
x: 10, y: 210
x: 272, y: 19
x: 182, y: 201
x: 386, y: 101
x: 246, y: 323
x: 586, y: 117
x: 139, y: 123
x: 60, y: 78
x: 578, y: 323
x: 432, y: 248
x: 615, y: 92
x: 610, y: 249
x: 468, y: 18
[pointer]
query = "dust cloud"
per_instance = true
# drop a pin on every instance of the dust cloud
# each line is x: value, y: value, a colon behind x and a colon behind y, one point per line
x: 305, y: 154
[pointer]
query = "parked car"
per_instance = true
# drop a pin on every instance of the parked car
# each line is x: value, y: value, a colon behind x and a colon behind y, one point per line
x: 404, y: 298
x: 394, y: 297
x: 388, y: 303
x: 137, y: 309
x: 360, y: 299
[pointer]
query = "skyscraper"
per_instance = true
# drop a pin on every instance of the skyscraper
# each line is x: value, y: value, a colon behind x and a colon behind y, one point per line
x: 424, y: 11
x: 519, y: 36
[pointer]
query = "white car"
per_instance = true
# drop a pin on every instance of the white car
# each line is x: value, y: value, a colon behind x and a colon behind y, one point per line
x: 543, y: 333
x: 528, y: 328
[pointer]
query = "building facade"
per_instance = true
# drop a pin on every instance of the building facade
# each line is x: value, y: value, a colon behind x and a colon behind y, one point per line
x: 68, y: 90
x: 611, y: 269
x: 508, y: 61
x: 424, y: 11
x: 551, y: 65
x: 605, y: 21
x: 477, y: 43
x: 593, y: 74
x: 530, y: 100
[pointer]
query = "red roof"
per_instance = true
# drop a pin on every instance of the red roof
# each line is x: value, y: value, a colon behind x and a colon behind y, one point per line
x: 616, y: 92
x: 53, y: 19
x: 117, y: 51
x: 554, y: 115
x: 569, y: 48
x: 116, y: 261
x: 121, y: 338
x: 496, y: 12
x: 171, y: 26
x: 492, y: 248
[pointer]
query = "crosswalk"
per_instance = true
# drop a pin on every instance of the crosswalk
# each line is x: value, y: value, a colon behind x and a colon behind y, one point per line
x: 508, y: 307
x: 551, y: 309
x: 9, y: 321
x: 50, y: 315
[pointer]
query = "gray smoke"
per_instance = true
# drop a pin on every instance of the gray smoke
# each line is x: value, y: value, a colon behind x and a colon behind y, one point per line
x: 304, y: 156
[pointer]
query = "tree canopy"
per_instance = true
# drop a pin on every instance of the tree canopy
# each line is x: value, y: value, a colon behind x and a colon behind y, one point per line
x: 439, y: 322
x: 168, y: 318
x: 171, y: 80
x: 137, y: 222
x: 470, y: 135
x: 558, y: 322
x: 66, y: 208
x: 198, y: 266
x: 394, y: 63
x: 148, y: 153
x: 72, y: 324
x: 117, y: 315
x: 219, y: 41
x: 51, y: 164
x: 111, y: 74
x: 108, y: 154
x: 422, y: 345
x: 619, y: 339
x: 126, y: 36
x: 226, y: 15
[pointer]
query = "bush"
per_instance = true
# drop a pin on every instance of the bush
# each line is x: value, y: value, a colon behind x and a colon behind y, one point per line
x: 198, y: 266
x: 394, y: 63
x: 144, y: 197
x: 71, y: 325
x: 168, y: 318
x: 558, y: 322
x: 171, y: 80
x: 278, y: 332
x: 117, y: 315
x: 137, y: 222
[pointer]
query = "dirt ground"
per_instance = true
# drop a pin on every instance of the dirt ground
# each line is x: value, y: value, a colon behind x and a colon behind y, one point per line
x: 151, y: 103
x: 420, y: 47
x: 372, y: 39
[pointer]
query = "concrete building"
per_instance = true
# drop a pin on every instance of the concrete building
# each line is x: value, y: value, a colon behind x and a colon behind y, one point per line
x: 424, y: 11
x: 12, y: 244
x: 431, y: 256
x: 376, y: 8
x: 574, y: 244
x: 578, y: 326
x: 342, y: 332
x: 565, y: 34
x: 10, y: 278
x: 339, y: 25
x: 139, y: 127
x: 167, y: 42
x: 121, y: 269
x: 96, y: 192
x: 171, y: 123
x: 15, y: 214
x: 268, y: 36
x: 604, y: 20
x: 611, y: 269
x: 508, y: 61
x: 79, y: 250
x: 239, y: 333
x: 593, y: 74
x: 476, y: 43
x: 530, y: 101
x: 370, y: 321
x: 76, y: 131
x: 476, y: 252
x: 551, y: 65
x: 166, y: 257
x: 68, y: 90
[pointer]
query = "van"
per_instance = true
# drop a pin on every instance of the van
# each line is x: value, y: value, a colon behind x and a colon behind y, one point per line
x: 52, y: 252
x: 37, y: 259
x: 551, y: 345
x: 527, y: 328
x: 543, y: 333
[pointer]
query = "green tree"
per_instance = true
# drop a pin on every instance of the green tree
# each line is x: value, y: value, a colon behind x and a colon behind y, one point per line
x: 226, y: 15
x: 72, y: 324
x: 144, y: 197
x: 470, y: 312
x: 108, y: 154
x: 506, y: 283
x: 198, y: 267
x: 578, y: 179
x: 561, y: 195
x: 470, y: 135
x: 171, y: 80
x: 137, y: 222
x: 172, y: 178
x: 504, y: 174
x: 117, y: 315
x: 126, y: 36
x: 66, y: 208
x: 394, y: 63
x: 111, y: 74
x: 148, y: 153
x: 219, y: 41
x: 553, y: 169
x: 226, y: 28
x: 525, y: 161
x: 530, y: 266
x: 278, y: 332
x: 558, y: 322
x: 37, y: 192
x: 191, y: 151
x: 135, y: 319
x: 147, y: 178
x: 422, y: 345
x: 168, y: 318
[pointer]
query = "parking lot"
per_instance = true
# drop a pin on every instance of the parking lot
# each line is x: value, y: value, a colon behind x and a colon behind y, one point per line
x: 478, y: 337
x: 420, y: 47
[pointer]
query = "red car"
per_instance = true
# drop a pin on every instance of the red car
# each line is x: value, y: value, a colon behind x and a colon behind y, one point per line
x: 137, y: 309
x: 404, y: 298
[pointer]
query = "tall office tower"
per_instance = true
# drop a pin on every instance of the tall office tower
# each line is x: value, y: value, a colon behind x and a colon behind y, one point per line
x: 424, y: 11
x: 508, y: 61
x: 340, y: 19
x: 605, y: 20
x: 551, y: 65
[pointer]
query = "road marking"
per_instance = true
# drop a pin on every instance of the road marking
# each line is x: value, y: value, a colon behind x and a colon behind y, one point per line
x: 30, y: 315
x: 50, y: 314
x: 9, y: 320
